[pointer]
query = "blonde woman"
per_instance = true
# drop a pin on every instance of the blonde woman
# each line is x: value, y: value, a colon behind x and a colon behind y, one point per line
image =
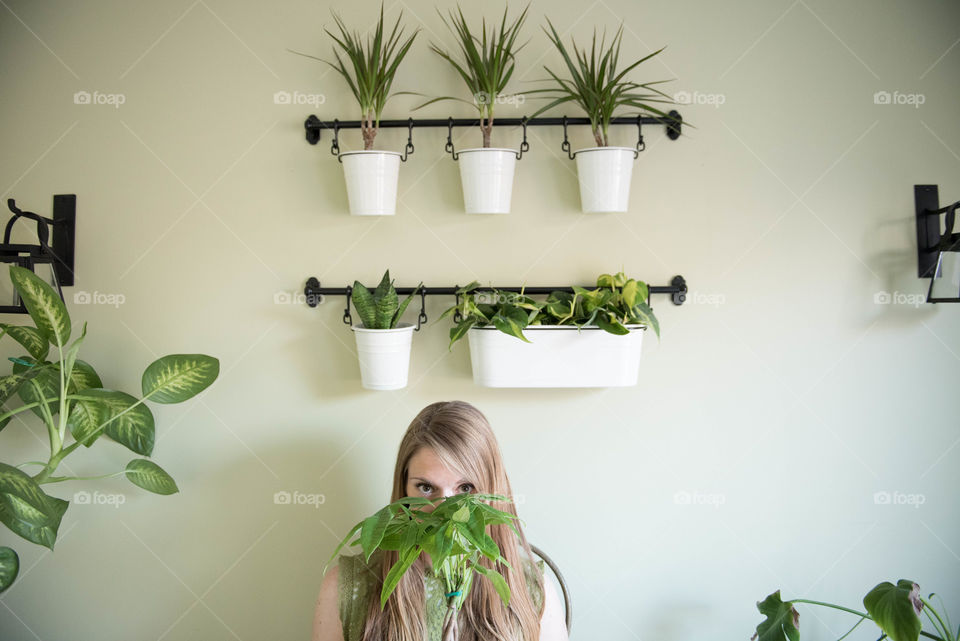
x: 448, y: 449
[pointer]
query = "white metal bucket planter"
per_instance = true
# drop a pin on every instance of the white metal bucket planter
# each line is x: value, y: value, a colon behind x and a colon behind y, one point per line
x: 371, y: 178
x: 384, y: 356
x: 604, y: 174
x: 487, y: 178
x: 557, y: 356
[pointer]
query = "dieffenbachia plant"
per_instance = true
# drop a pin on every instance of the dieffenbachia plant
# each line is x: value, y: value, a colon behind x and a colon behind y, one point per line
x: 896, y: 610
x: 67, y: 394
x: 453, y: 534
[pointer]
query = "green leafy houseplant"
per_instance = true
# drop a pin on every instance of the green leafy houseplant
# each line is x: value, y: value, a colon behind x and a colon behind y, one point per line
x: 453, y: 534
x: 382, y: 308
x: 616, y: 302
x: 67, y: 394
x: 896, y: 610
x: 484, y: 63
x: 596, y: 85
x: 372, y: 68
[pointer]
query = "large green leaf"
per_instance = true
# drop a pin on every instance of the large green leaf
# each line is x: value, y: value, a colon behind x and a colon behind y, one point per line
x: 511, y: 320
x: 26, y: 509
x: 407, y: 557
x: 178, y: 377
x: 83, y: 377
x: 9, y: 567
x: 499, y: 584
x: 134, y: 429
x: 44, y: 382
x: 150, y: 476
x: 44, y: 305
x: 782, y: 622
x: 896, y: 609
x: 32, y: 339
x: 373, y: 529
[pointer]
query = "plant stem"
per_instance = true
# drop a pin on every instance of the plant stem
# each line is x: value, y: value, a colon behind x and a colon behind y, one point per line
x: 831, y: 605
x: 59, y: 479
x: 943, y: 628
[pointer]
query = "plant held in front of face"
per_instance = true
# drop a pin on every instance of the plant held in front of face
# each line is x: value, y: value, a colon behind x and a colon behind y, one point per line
x: 453, y: 534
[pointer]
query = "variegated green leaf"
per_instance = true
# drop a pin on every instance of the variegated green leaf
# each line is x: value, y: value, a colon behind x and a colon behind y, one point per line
x: 71, y: 356
x: 26, y: 509
x: 83, y: 377
x: 44, y: 383
x: 150, y: 476
x: 44, y: 305
x: 366, y: 307
x: 178, y: 377
x: 32, y: 339
x: 511, y: 320
x: 9, y: 567
x: 134, y: 429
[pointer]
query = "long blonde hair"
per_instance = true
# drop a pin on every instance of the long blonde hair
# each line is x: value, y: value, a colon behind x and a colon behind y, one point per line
x: 461, y: 437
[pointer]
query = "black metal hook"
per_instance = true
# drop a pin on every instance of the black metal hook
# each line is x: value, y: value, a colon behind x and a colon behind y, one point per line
x: 449, y: 146
x: 335, y: 145
x: 347, y: 319
x: 524, y: 146
x: 409, y: 148
x: 456, y: 312
x: 640, y: 144
x: 42, y: 233
x: 422, y: 318
x: 565, y: 145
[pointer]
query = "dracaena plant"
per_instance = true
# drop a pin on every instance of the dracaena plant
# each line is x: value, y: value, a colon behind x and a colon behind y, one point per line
x: 615, y: 303
x: 371, y: 70
x: 454, y: 536
x: 70, y: 399
x: 896, y: 610
x: 485, y: 64
x: 382, y: 308
x: 596, y: 84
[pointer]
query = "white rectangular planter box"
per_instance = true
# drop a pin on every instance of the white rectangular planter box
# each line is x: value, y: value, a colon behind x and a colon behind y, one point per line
x: 557, y: 356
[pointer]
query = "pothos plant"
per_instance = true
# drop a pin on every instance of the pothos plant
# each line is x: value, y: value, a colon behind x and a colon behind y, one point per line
x: 68, y: 395
x: 382, y: 308
x: 615, y: 303
x: 454, y: 536
x: 896, y: 610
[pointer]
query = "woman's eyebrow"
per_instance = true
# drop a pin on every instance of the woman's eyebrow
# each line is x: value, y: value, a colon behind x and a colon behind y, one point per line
x: 420, y: 478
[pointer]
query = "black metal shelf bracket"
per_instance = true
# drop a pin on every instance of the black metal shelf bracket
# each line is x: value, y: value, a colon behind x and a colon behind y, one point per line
x: 314, y: 294
x: 313, y: 127
x: 57, y: 252
x: 931, y: 243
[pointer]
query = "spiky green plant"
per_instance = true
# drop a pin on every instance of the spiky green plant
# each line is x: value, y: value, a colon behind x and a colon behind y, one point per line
x: 382, y: 308
x: 372, y: 68
x: 597, y: 86
x: 484, y: 63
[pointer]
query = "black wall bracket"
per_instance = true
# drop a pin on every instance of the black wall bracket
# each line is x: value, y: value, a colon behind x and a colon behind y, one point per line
x: 57, y: 252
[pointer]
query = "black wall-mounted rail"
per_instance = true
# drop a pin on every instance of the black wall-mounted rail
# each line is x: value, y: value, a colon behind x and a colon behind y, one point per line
x: 314, y: 293
x: 314, y: 126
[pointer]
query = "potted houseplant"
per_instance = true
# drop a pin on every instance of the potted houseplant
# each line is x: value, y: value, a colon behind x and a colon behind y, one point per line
x: 485, y: 64
x: 896, y: 610
x: 600, y: 89
x: 587, y: 338
x: 68, y: 396
x: 454, y: 536
x: 371, y: 175
x: 383, y: 342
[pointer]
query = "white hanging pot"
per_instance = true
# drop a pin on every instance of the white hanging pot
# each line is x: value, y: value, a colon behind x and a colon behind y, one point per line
x: 557, y: 356
x: 604, y: 174
x: 384, y: 356
x: 487, y: 178
x: 371, y: 181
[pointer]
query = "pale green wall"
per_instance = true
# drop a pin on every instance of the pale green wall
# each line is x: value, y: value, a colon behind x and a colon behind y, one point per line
x: 781, y: 389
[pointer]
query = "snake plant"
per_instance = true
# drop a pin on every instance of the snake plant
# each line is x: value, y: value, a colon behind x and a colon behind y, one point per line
x: 68, y: 395
x: 382, y: 308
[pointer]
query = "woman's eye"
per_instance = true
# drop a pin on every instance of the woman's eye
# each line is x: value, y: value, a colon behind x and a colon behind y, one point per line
x: 467, y: 487
x: 423, y: 487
